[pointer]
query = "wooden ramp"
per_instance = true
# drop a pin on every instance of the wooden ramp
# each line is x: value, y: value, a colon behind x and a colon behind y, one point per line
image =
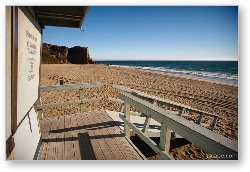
x: 86, y: 136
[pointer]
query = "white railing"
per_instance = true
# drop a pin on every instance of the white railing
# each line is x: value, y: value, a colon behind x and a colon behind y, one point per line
x: 80, y: 101
x: 183, y: 109
x: 211, y: 142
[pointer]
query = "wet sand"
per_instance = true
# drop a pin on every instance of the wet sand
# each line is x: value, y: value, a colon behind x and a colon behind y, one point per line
x: 220, y: 99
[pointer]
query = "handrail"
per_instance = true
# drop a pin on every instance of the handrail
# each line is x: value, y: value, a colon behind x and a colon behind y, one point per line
x: 183, y: 108
x: 69, y: 87
x: 139, y: 93
x: 51, y: 105
x: 79, y: 101
x: 211, y: 142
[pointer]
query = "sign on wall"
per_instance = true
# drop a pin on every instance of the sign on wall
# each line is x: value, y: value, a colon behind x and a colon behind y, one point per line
x: 29, y: 44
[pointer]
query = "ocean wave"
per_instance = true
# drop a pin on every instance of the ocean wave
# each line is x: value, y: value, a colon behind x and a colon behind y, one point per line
x: 200, y: 74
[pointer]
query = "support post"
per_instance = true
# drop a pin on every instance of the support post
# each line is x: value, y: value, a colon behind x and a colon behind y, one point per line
x: 146, y: 124
x: 81, y: 98
x: 122, y: 108
x: 39, y: 111
x: 40, y: 115
x: 214, y: 122
x: 182, y: 111
x: 153, y: 102
x: 165, y: 137
x: 148, y: 118
x: 127, y: 116
x: 200, y: 118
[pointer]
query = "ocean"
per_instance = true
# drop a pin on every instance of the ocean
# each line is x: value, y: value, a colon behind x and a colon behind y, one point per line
x: 220, y: 71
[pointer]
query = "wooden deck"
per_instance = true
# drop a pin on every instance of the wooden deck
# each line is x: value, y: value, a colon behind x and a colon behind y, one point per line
x: 87, y: 136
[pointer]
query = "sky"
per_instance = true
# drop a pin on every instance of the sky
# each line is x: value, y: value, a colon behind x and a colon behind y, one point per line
x: 154, y: 33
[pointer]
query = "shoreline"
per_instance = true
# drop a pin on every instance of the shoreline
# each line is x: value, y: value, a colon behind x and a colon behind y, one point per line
x: 215, y: 81
x: 195, y: 78
x: 164, y: 73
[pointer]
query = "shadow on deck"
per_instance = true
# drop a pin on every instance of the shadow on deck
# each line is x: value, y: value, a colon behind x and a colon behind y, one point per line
x: 88, y: 136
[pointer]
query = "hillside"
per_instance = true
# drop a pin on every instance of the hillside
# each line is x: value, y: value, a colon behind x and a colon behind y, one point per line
x: 53, y: 54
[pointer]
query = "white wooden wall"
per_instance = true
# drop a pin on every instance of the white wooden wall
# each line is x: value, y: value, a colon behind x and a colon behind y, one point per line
x: 27, y: 137
x: 27, y: 134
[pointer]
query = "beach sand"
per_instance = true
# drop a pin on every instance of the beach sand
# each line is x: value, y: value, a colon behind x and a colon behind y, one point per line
x: 220, y: 99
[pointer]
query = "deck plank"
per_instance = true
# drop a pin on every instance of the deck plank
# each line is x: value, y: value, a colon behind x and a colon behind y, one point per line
x: 44, y: 134
x: 52, y: 140
x: 112, y: 141
x: 91, y: 135
x: 47, y: 138
x: 98, y: 136
x: 68, y: 138
x: 99, y: 154
x: 75, y: 141
x: 86, y: 148
x: 60, y: 139
x: 130, y: 155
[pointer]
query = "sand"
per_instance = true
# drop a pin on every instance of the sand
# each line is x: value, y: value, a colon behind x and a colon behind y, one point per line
x: 220, y: 99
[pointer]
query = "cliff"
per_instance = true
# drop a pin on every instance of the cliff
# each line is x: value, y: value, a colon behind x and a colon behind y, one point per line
x: 53, y: 54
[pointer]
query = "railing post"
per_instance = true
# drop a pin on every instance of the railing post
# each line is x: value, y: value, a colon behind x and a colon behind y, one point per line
x: 182, y: 111
x: 81, y: 98
x: 148, y: 119
x: 214, y: 122
x: 122, y: 108
x: 40, y: 114
x: 165, y: 137
x: 146, y: 124
x: 61, y: 81
x: 127, y: 116
x: 39, y: 111
x: 200, y: 118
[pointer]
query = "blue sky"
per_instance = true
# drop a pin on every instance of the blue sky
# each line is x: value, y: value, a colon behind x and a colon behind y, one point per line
x: 154, y: 33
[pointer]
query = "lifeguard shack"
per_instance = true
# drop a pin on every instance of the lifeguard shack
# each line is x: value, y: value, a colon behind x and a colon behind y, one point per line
x: 24, y: 30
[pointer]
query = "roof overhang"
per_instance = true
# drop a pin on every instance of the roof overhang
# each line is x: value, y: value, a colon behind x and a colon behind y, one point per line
x: 62, y: 16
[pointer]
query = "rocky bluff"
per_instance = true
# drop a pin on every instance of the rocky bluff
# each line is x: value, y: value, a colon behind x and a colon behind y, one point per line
x: 61, y: 54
